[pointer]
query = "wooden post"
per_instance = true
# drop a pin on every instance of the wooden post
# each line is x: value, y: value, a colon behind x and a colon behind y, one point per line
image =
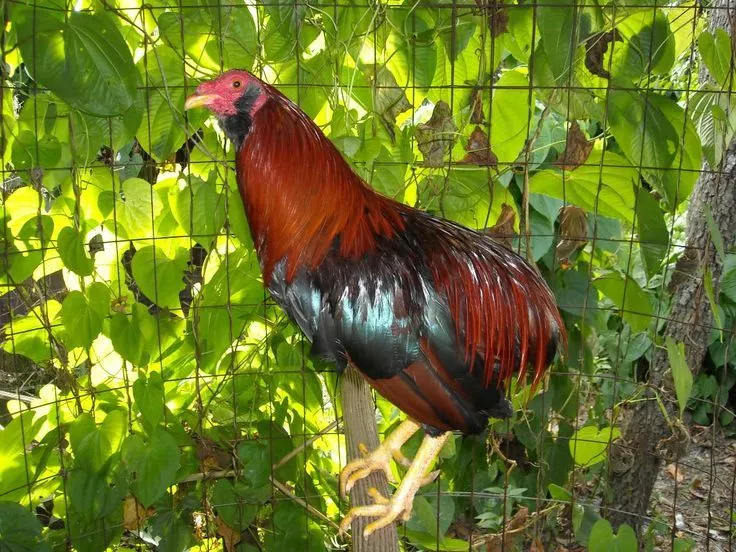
x: 359, y: 417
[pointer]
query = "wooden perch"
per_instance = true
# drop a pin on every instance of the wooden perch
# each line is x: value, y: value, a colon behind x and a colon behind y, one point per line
x: 359, y: 419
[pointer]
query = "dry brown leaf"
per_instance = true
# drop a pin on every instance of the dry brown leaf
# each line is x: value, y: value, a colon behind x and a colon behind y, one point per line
x: 390, y: 100
x: 519, y: 519
x: 494, y: 543
x: 577, y: 149
x: 503, y: 230
x: 536, y: 545
x: 498, y: 16
x: 595, y: 53
x: 436, y: 137
x: 675, y: 473
x: 479, y: 150
x: 230, y: 536
x: 134, y: 514
x: 573, y: 231
x: 476, y: 104
x: 212, y: 456
x: 504, y: 541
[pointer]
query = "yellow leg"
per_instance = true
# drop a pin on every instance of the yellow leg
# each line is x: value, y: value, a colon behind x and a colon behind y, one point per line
x: 400, y: 504
x: 379, y: 459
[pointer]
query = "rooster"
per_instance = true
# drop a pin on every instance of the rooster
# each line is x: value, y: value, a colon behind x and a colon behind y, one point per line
x: 435, y: 316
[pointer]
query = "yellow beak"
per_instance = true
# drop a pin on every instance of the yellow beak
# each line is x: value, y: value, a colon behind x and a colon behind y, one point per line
x: 199, y: 100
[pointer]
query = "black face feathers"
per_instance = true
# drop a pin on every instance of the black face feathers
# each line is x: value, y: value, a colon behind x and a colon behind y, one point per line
x: 237, y: 127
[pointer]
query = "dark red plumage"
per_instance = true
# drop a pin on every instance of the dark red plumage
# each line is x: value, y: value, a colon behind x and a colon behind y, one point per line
x: 436, y: 316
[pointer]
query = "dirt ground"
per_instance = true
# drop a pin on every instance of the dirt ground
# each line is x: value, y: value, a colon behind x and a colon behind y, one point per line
x: 698, y: 494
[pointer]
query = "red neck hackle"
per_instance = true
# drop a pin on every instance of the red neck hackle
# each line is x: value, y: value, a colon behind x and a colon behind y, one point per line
x: 301, y: 195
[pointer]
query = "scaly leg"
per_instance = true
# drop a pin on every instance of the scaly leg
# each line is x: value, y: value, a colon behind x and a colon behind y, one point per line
x: 379, y: 459
x: 400, y: 504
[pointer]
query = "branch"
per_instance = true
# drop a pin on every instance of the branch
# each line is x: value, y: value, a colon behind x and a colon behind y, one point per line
x: 359, y: 415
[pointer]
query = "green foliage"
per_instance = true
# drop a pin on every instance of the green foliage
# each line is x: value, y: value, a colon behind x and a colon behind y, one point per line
x: 20, y: 531
x: 589, y: 444
x: 681, y: 373
x: 163, y: 358
x: 602, y: 538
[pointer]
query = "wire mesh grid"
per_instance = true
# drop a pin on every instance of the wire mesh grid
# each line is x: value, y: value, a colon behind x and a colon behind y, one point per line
x: 155, y: 397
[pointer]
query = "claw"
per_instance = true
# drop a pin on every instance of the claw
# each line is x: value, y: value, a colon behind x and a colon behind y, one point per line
x: 401, y: 503
x: 401, y: 459
x: 379, y: 459
x: 377, y: 497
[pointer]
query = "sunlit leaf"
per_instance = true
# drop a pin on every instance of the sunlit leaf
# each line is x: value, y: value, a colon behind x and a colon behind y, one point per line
x: 73, y: 251
x: 511, y: 109
x: 82, y: 58
x: 589, y: 444
x: 151, y: 464
x: 593, y: 186
x: 159, y: 277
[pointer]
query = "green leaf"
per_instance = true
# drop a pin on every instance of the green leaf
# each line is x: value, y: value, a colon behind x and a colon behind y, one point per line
x: 728, y: 280
x: 82, y: 323
x: 606, y: 192
x: 162, y: 131
x: 199, y: 209
x: 73, y: 252
x: 511, y: 109
x: 576, y: 295
x: 601, y: 537
x: 571, y: 97
x: 158, y: 277
x: 234, y: 505
x: 556, y: 20
x: 133, y: 335
x: 239, y: 38
x: 468, y: 197
x: 649, y: 128
x: 559, y: 493
x: 716, y: 52
x: 641, y: 129
x: 588, y: 445
x: 82, y: 58
x: 91, y: 494
x: 230, y: 39
x: 653, y: 235
x: 627, y: 295
x: 96, y: 534
x: 716, y: 132
x: 429, y: 542
x: 82, y: 316
x: 95, y: 446
x: 152, y: 465
x: 30, y: 334
x: 149, y: 399
x: 715, y: 234
x: 649, y: 46
x: 683, y: 544
x: 142, y: 206
x: 626, y: 539
x: 20, y: 531
x: 681, y: 374
x: 23, y: 205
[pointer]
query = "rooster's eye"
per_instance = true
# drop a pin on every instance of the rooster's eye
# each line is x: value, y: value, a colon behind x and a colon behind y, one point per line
x: 236, y: 84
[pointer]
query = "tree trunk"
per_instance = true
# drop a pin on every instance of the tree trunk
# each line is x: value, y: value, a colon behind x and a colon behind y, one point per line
x: 648, y: 439
x: 359, y: 416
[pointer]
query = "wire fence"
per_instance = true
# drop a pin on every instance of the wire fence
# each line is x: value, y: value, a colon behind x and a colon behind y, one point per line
x: 155, y: 397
